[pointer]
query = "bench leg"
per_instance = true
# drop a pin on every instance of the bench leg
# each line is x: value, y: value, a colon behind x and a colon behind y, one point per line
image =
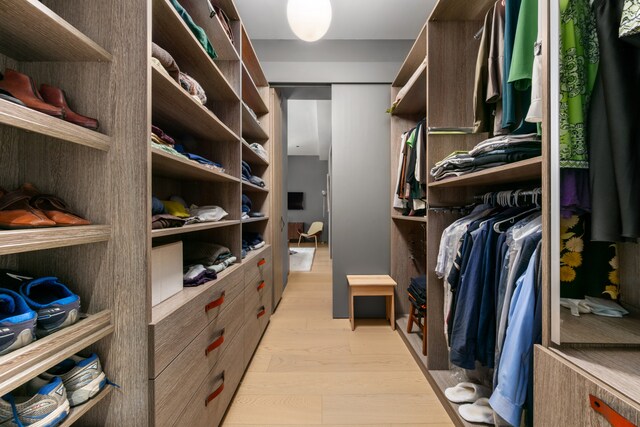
x: 393, y: 312
x: 351, y: 314
x: 411, y: 319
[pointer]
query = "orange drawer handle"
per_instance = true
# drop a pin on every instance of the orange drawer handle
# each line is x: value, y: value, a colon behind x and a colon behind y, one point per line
x: 216, y: 393
x: 262, y: 262
x: 215, y: 303
x: 614, y: 418
x: 217, y: 343
x: 261, y: 285
x: 262, y: 312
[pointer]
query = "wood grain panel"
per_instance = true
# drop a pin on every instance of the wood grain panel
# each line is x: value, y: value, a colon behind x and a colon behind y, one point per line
x: 413, y: 60
x: 251, y: 129
x: 17, y: 241
x: 251, y: 95
x: 78, y: 411
x: 592, y: 329
x: 460, y: 10
x: 211, y: 25
x: 522, y: 171
x: 414, y: 101
x: 250, y: 59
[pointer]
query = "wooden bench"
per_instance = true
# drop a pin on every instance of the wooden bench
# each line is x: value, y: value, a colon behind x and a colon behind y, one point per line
x: 372, y: 285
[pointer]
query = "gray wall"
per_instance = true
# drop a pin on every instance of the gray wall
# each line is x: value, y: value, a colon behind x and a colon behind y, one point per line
x: 308, y: 174
x: 360, y: 191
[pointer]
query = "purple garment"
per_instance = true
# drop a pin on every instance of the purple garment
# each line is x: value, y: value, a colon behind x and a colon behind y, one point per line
x: 575, y: 194
x: 201, y: 279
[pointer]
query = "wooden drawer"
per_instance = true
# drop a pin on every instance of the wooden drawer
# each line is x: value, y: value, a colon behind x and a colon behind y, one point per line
x: 257, y: 320
x: 256, y: 265
x: 173, y: 333
x: 173, y: 388
x: 258, y: 291
x: 562, y: 392
x: 209, y: 403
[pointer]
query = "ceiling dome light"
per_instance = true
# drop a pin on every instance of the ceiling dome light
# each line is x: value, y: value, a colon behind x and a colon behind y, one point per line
x: 309, y: 19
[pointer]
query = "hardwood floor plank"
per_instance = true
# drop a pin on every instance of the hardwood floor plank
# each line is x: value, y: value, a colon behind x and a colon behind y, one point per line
x: 275, y: 409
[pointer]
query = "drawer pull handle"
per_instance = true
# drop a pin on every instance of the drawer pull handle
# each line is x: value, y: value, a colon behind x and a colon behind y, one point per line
x: 262, y: 312
x: 215, y: 303
x: 614, y: 418
x: 216, y: 393
x: 217, y: 343
x: 262, y: 262
x: 261, y: 285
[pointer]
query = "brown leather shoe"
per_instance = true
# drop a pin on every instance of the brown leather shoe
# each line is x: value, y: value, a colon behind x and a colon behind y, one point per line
x: 22, y: 87
x: 56, y: 96
x: 53, y: 207
x: 16, y: 212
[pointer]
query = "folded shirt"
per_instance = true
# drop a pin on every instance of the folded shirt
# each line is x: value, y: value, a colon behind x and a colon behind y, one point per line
x: 166, y: 221
x: 259, y: 150
x: 165, y: 60
x: 503, y: 141
x: 205, y: 253
x: 206, y: 214
x: 256, y: 181
x: 194, y: 88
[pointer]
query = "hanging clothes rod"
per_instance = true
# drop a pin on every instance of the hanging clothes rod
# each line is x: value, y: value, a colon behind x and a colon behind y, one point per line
x: 512, y: 197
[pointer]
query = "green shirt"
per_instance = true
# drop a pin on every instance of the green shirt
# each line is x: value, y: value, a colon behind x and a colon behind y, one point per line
x: 521, y: 70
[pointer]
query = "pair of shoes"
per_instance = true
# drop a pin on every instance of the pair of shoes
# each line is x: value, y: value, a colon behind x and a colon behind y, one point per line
x: 26, y: 207
x: 45, y: 400
x: 33, y: 307
x: 49, y: 100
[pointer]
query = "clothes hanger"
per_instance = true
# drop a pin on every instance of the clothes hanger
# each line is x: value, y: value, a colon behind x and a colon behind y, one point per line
x: 498, y: 226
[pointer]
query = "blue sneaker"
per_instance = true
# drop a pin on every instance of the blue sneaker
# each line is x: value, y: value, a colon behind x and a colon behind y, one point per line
x: 38, y: 403
x: 82, y: 377
x: 17, y: 322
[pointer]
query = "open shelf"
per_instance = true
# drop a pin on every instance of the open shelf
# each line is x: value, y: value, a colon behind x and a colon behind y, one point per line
x: 251, y: 188
x: 461, y: 10
x: 592, y: 329
x: 30, y: 31
x: 409, y: 218
x: 264, y: 218
x: 413, y: 60
x: 253, y: 254
x: 251, y: 129
x: 619, y: 368
x: 441, y: 380
x: 415, y: 100
x: 250, y: 59
x: 172, y: 34
x: 163, y: 232
x: 26, y: 363
x: 175, y: 110
x: 251, y: 94
x: 229, y: 7
x: 525, y: 170
x: 171, y: 166
x: 34, y: 121
x: 17, y: 241
x: 199, y: 11
x: 76, y: 413
x: 250, y: 156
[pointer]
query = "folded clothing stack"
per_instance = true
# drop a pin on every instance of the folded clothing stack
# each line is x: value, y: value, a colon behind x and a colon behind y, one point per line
x: 247, y: 175
x: 201, y: 259
x: 259, y: 150
x: 492, y: 152
x: 164, y: 142
x: 252, y: 241
x: 169, y: 67
x: 418, y: 292
x: 246, y: 209
x: 174, y: 213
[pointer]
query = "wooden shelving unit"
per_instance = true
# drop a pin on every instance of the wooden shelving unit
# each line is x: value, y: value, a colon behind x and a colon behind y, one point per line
x: 606, y: 331
x: 192, y: 228
x: 30, y: 31
x: 28, y: 362
x: 440, y: 381
x: 30, y: 120
x: 251, y: 188
x: 76, y: 413
x: 409, y: 218
x: 251, y: 95
x: 199, y: 11
x: 251, y: 156
x: 175, y: 110
x: 171, y: 166
x: 525, y: 170
x: 251, y: 129
x: 413, y: 60
x: 18, y: 241
x: 265, y: 218
x: 414, y: 102
x: 251, y: 62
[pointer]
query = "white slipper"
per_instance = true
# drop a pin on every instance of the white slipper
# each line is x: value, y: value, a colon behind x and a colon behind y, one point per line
x: 467, y: 392
x: 478, y: 412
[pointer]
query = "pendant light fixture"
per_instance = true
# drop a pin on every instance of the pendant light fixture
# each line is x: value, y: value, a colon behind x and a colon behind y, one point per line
x: 309, y: 19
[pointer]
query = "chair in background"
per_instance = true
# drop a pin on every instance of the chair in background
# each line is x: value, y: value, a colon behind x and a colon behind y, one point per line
x: 314, y: 231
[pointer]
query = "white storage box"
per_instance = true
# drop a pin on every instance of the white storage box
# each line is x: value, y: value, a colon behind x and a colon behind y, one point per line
x: 166, y: 272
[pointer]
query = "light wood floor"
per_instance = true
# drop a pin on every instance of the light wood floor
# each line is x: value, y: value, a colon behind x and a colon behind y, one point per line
x: 311, y: 369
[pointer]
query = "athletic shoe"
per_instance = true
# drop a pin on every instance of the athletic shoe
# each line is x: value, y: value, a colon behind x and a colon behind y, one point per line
x: 17, y: 322
x: 82, y: 377
x: 38, y: 403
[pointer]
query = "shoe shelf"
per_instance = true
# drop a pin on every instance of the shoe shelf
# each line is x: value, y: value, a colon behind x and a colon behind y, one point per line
x: 76, y: 413
x: 170, y: 166
x: 251, y: 94
x: 28, y: 362
x: 440, y: 381
x: 525, y: 170
x: 414, y: 101
x: 17, y: 241
x: 199, y: 11
x: 30, y: 31
x: 33, y: 121
x: 250, y: 60
x: 590, y: 329
x: 192, y: 228
x: 175, y: 110
x: 251, y: 129
x: 413, y: 60
x: 264, y: 218
x: 251, y: 188
x: 170, y: 32
x: 250, y: 156
x: 409, y: 218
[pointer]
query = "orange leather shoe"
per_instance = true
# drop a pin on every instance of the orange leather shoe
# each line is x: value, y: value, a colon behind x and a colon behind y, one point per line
x: 56, y: 96
x: 53, y: 207
x: 22, y: 87
x: 16, y: 212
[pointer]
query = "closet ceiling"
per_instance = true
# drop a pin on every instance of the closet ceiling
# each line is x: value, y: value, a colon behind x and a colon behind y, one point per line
x: 352, y: 19
x: 309, y: 128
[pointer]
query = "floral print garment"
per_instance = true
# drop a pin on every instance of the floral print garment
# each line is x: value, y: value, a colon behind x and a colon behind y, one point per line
x: 579, y: 57
x: 586, y: 267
